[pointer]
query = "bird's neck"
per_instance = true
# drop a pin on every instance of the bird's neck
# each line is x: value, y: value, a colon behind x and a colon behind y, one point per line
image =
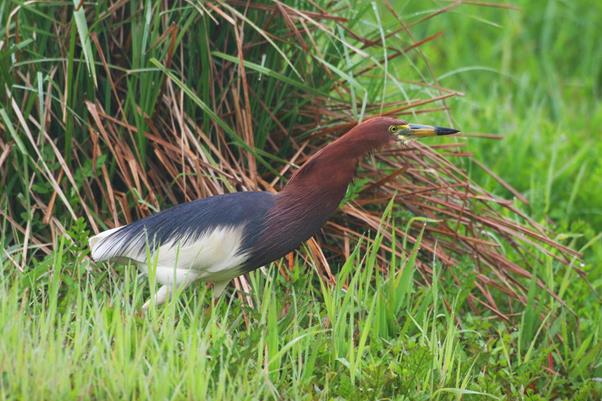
x: 303, y: 206
x: 311, y: 197
x: 313, y: 194
x: 324, y: 178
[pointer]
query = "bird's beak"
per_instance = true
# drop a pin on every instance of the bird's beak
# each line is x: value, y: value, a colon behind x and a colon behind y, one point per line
x: 419, y: 131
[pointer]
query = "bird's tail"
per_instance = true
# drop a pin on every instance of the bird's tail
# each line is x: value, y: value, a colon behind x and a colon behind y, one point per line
x: 98, y: 247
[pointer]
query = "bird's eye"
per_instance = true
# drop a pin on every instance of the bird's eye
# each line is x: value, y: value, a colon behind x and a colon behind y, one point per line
x: 393, y: 129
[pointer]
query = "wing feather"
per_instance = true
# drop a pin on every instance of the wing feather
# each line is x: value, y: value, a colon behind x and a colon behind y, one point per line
x: 184, y: 225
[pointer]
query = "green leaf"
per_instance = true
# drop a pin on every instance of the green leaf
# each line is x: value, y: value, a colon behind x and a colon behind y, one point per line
x: 84, y: 37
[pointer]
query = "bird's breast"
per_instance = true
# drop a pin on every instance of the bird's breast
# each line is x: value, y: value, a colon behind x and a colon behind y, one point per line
x: 292, y: 221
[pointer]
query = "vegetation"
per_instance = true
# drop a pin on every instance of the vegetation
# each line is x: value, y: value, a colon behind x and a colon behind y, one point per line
x: 107, y: 114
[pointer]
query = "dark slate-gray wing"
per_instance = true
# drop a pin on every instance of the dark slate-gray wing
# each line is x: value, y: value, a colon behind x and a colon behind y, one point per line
x: 187, y: 222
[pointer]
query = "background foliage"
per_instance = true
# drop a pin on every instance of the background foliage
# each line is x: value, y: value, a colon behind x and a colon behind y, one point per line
x: 135, y: 70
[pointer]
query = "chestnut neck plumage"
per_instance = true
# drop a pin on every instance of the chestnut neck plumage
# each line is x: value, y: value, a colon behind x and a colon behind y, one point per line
x: 315, y: 191
x: 328, y: 172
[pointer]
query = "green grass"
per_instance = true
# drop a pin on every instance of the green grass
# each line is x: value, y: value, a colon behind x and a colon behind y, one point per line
x: 71, y: 333
x: 70, y: 330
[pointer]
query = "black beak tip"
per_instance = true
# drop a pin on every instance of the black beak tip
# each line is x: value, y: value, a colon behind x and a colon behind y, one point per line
x: 445, y: 131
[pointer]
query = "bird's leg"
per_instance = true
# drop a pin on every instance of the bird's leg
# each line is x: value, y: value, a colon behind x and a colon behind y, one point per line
x: 171, y: 279
x: 160, y: 296
x: 218, y: 289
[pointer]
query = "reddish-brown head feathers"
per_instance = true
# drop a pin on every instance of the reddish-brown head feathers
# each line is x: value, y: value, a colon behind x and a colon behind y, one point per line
x: 334, y: 165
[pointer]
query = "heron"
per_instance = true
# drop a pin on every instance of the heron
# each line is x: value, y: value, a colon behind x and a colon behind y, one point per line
x: 221, y: 237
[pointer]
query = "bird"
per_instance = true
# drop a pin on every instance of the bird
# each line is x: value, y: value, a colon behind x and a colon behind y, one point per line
x: 220, y: 237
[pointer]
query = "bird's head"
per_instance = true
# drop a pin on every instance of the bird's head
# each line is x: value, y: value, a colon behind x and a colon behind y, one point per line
x: 378, y: 131
x: 338, y: 160
x: 403, y: 130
